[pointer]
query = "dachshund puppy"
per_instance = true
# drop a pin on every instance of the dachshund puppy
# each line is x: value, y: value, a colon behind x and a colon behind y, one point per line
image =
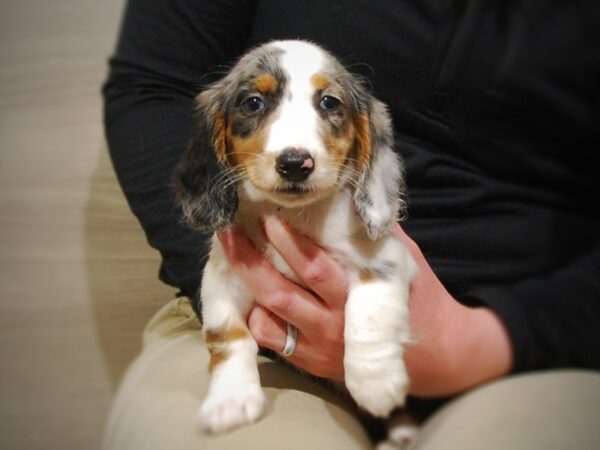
x: 290, y: 132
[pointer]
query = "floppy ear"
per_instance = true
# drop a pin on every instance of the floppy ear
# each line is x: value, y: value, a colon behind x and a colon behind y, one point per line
x: 204, y: 181
x: 379, y: 192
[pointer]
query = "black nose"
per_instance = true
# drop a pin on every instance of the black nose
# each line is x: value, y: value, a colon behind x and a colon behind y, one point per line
x: 295, y: 165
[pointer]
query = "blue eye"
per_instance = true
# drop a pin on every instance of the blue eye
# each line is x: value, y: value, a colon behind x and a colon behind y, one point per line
x: 329, y: 103
x: 253, y: 105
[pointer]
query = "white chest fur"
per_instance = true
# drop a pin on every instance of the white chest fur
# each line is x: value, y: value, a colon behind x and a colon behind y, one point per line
x: 331, y: 223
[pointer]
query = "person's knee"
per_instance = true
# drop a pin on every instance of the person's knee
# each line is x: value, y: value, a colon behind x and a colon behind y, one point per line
x: 545, y: 410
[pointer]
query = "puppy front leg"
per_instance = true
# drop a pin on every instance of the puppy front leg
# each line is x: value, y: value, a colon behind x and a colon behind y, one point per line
x: 376, y: 328
x: 234, y: 396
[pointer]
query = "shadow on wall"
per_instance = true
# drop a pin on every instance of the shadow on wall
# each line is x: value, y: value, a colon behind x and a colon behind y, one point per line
x: 122, y: 271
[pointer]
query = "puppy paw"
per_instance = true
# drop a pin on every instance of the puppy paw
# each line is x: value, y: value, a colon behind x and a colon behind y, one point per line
x: 226, y: 409
x: 377, y: 387
x: 402, y: 431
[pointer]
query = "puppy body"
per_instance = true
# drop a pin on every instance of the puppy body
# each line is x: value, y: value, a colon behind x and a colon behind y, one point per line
x: 292, y: 134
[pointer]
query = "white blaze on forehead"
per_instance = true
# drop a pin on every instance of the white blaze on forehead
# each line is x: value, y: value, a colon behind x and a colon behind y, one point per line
x: 296, y: 122
x: 301, y: 59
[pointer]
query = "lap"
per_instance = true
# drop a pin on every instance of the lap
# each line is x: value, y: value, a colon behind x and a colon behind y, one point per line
x: 155, y: 406
x: 544, y: 410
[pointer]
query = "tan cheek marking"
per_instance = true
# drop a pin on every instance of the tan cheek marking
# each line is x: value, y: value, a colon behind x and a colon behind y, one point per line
x: 243, y: 150
x: 265, y: 84
x: 247, y: 153
x: 320, y: 82
x: 363, y: 140
x: 339, y: 146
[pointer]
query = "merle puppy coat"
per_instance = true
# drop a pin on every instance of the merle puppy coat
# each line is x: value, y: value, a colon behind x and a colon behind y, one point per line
x: 290, y: 132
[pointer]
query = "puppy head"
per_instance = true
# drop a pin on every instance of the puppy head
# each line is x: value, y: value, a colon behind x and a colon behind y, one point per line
x: 289, y: 125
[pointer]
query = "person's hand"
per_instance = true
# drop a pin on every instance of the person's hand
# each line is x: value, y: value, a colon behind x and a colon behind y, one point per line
x: 317, y: 313
x: 454, y: 347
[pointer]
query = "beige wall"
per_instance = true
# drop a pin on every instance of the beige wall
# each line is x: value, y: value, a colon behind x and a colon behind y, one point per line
x: 77, y: 280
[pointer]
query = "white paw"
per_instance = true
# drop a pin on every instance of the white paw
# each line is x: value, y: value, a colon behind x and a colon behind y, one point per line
x: 402, y: 431
x: 377, y: 386
x: 403, y: 435
x: 227, y: 409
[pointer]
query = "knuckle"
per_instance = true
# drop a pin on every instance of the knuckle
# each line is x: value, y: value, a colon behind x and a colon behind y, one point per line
x: 258, y: 325
x: 280, y: 302
x: 315, y: 272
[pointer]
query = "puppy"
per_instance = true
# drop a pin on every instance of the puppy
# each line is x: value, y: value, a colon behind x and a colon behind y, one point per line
x: 290, y: 132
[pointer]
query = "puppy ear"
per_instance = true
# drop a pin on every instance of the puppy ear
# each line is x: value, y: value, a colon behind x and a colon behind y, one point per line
x: 204, y: 180
x: 379, y: 192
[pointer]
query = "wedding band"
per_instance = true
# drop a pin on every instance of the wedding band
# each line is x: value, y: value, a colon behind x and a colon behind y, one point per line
x: 290, y: 340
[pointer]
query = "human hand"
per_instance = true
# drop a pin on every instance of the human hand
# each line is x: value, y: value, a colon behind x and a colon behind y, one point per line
x: 317, y: 312
x: 454, y: 347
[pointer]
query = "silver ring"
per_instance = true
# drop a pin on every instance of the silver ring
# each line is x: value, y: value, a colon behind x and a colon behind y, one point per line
x: 290, y: 340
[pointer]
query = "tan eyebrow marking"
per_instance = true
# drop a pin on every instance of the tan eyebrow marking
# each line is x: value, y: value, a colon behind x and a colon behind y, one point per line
x: 320, y: 82
x: 265, y: 84
x: 244, y: 150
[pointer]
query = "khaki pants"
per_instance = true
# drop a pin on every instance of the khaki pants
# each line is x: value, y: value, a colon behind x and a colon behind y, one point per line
x: 156, y: 405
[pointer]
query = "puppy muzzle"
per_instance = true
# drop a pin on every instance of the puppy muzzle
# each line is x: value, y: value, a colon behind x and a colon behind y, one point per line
x: 294, y: 165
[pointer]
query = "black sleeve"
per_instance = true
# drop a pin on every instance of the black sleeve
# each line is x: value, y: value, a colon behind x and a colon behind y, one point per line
x: 167, y: 50
x: 552, y: 309
x: 553, y: 321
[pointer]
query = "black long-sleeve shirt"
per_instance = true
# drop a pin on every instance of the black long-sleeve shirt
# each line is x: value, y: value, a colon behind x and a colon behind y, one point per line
x: 497, y: 115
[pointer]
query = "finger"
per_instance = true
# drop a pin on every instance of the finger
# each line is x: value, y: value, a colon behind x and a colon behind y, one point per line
x: 313, y: 264
x: 270, y: 331
x: 269, y: 287
x: 267, y: 329
x: 399, y: 232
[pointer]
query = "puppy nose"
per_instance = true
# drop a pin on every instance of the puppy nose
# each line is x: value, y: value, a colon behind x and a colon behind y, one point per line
x: 294, y: 164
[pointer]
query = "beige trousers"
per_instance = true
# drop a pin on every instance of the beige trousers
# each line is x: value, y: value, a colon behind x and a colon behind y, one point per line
x: 155, y: 406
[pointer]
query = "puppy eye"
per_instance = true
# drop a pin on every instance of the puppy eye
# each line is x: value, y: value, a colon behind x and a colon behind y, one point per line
x: 253, y: 105
x: 329, y: 103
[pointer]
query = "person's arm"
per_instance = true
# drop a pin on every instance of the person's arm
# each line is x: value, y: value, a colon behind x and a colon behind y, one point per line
x: 553, y: 320
x: 167, y: 51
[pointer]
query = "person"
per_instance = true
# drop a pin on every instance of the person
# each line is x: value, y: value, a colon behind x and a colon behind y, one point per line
x: 496, y: 111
